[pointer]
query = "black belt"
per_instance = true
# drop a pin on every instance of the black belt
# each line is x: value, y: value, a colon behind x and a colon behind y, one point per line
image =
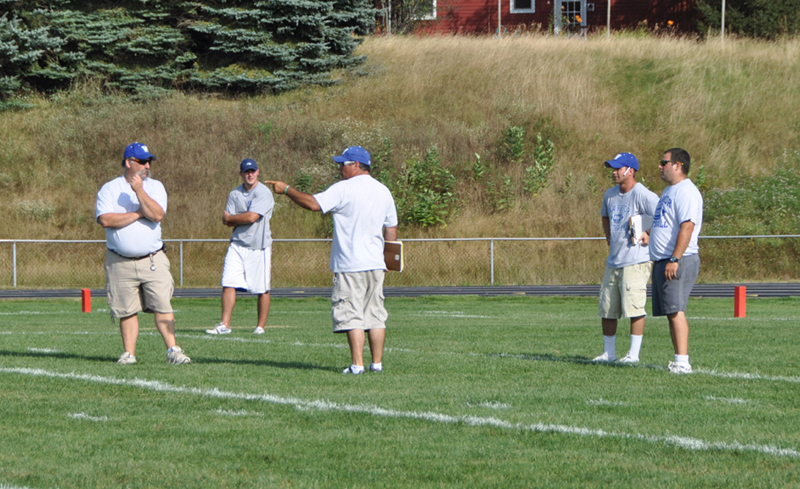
x: 163, y: 247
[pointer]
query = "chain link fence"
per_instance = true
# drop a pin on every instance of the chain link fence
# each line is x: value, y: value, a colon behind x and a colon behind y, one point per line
x: 428, y: 262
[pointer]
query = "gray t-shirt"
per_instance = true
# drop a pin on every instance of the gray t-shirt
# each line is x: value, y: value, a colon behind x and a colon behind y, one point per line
x: 257, y: 235
x: 619, y: 208
x: 679, y: 203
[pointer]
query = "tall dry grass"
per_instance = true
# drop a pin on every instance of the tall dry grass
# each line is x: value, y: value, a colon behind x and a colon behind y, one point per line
x: 732, y: 105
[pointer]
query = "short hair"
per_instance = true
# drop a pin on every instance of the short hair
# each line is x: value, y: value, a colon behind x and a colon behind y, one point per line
x: 681, y: 156
x: 364, y: 167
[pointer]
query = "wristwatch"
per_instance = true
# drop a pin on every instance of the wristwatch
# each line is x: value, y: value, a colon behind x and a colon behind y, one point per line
x: 672, y: 259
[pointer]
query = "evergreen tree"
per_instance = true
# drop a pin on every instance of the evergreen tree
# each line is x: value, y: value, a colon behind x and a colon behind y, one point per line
x: 146, y: 46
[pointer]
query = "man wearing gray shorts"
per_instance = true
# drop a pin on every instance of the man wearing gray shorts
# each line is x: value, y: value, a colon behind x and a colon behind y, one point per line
x: 364, y: 215
x: 673, y: 247
x: 624, y: 289
x: 131, y: 208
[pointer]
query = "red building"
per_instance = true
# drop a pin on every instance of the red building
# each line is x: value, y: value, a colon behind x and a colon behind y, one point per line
x: 577, y: 16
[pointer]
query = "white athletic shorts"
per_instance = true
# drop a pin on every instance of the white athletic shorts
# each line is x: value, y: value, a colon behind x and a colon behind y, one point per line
x: 624, y: 291
x: 247, y: 269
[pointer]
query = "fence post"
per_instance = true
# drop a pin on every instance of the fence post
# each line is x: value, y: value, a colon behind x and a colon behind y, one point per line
x: 180, y: 246
x: 14, y: 264
x: 491, y: 259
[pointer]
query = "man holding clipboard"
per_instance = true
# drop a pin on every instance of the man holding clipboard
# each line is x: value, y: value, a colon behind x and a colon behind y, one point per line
x: 364, y: 217
x: 627, y: 213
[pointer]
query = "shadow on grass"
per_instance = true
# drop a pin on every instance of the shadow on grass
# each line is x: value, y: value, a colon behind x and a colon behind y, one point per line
x: 195, y: 360
x: 567, y: 359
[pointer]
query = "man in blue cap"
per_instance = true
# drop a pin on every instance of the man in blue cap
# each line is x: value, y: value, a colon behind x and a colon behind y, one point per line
x: 248, y: 263
x: 628, y: 266
x: 131, y: 208
x: 364, y: 216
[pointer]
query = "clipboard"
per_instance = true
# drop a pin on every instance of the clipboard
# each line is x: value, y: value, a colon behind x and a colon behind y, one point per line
x: 393, y: 255
x: 638, y: 225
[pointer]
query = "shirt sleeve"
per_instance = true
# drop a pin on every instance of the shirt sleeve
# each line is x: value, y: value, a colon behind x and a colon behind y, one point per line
x: 105, y: 204
x: 262, y: 202
x: 330, y: 198
x: 159, y: 194
x: 689, y: 207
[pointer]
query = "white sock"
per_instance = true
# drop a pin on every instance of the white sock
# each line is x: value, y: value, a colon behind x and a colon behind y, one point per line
x: 682, y: 359
x: 356, y: 368
x: 610, y: 343
x: 378, y: 365
x: 636, y: 345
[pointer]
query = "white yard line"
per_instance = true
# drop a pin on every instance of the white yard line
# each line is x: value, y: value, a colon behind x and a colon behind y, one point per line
x: 89, y: 418
x: 323, y: 405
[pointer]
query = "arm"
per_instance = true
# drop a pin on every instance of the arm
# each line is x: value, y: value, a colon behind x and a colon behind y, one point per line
x: 119, y: 220
x: 304, y: 200
x: 390, y: 234
x: 684, y: 236
x: 148, y: 207
x: 232, y: 220
x: 607, y: 229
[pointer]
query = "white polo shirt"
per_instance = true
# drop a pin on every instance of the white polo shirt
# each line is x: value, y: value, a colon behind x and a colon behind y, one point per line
x: 138, y: 238
x: 361, y: 208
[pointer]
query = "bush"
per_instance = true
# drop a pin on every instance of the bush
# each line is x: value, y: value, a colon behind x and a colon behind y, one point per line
x: 767, y: 19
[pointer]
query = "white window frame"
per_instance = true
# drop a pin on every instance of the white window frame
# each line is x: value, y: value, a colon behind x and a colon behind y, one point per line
x: 432, y: 15
x: 515, y: 10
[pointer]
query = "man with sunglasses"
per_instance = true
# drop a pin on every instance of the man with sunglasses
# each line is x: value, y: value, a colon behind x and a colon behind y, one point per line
x: 248, y: 262
x: 364, y: 215
x: 131, y: 208
x: 673, y: 247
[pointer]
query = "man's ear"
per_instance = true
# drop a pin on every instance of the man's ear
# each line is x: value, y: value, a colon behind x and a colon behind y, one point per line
x: 126, y: 163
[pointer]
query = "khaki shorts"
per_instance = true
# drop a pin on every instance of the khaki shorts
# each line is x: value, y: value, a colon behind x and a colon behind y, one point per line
x: 624, y: 291
x: 133, y: 287
x: 357, y: 301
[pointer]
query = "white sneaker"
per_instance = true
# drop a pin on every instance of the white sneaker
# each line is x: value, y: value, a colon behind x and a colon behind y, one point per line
x: 176, y: 356
x: 219, y: 329
x: 628, y: 359
x: 258, y: 330
x: 353, y: 370
x: 679, y: 368
x: 604, y: 358
x: 126, y: 359
x: 375, y: 368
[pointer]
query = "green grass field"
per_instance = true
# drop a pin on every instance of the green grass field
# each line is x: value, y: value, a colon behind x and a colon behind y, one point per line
x: 476, y: 392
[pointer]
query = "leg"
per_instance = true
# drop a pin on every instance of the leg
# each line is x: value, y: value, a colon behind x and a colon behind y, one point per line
x: 228, y: 301
x: 263, y: 309
x: 609, y: 327
x: 129, y: 328
x: 377, y: 338
x: 165, y: 323
x: 356, y: 337
x: 637, y: 326
x: 679, y: 331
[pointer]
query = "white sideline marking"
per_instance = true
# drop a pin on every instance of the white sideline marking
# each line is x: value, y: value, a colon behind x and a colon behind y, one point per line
x: 491, y: 405
x: 729, y: 400
x: 89, y: 418
x: 603, y: 402
x: 323, y: 405
x: 228, y: 412
x: 451, y: 314
x: 6, y: 486
x: 44, y: 350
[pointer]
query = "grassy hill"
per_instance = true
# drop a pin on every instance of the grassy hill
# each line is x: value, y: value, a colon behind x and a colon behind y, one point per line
x: 480, y: 103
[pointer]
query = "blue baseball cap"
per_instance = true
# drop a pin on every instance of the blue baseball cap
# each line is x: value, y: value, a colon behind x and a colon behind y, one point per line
x: 624, y: 159
x: 353, y: 153
x: 248, y: 164
x: 138, y: 151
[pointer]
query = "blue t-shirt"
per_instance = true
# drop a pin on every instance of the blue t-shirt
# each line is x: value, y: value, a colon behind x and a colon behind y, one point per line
x: 619, y: 208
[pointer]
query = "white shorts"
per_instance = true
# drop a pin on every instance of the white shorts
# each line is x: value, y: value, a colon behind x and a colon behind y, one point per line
x: 247, y: 269
x: 624, y: 291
